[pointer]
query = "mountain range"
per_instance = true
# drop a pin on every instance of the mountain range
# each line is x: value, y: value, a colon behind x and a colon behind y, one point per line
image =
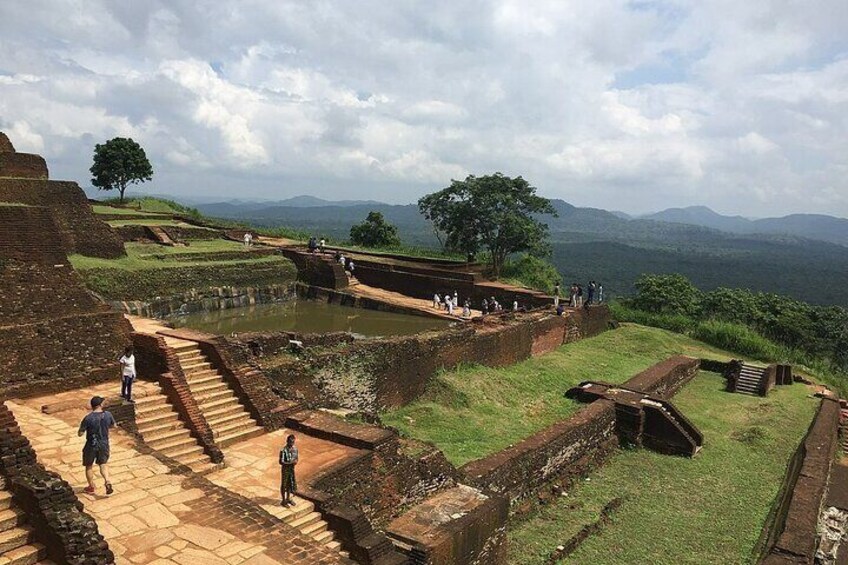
x: 802, y: 255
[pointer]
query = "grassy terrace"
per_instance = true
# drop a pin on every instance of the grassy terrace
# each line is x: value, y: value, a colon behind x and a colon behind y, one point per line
x: 140, y: 256
x: 153, y: 221
x: 475, y: 411
x: 709, y: 509
x: 101, y: 209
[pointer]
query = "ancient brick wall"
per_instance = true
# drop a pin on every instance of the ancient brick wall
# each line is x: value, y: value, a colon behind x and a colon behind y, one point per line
x: 70, y: 535
x: 122, y: 284
x: 80, y: 231
x: 205, y: 300
x: 461, y: 526
x: 568, y: 449
x: 791, y: 534
x: 317, y: 270
x: 374, y: 374
x: 22, y: 165
x: 27, y: 233
x: 183, y: 233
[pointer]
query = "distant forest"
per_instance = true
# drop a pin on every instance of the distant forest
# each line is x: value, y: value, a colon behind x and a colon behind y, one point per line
x: 589, y: 243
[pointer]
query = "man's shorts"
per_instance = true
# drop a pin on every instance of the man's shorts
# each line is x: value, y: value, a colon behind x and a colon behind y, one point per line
x: 91, y: 455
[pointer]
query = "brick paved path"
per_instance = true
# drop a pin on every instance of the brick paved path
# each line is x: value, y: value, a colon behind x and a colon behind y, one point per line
x: 158, y: 516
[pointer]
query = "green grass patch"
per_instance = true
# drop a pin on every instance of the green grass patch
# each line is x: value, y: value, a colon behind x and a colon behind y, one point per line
x: 15, y: 204
x: 474, y: 411
x: 152, y: 221
x: 101, y: 209
x: 139, y: 256
x: 708, y: 509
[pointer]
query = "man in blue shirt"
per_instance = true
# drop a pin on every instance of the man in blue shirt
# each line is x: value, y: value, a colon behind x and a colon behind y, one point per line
x: 96, y: 426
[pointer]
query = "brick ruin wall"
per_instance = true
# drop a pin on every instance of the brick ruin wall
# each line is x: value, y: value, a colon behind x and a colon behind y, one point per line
x: 79, y: 230
x: 53, y: 333
x: 568, y: 449
x: 791, y: 533
x: 205, y: 300
x: 372, y: 375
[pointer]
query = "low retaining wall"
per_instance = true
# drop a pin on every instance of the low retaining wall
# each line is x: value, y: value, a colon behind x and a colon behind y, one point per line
x: 569, y: 449
x: 371, y: 375
x: 205, y: 300
x: 51, y: 507
x: 791, y: 536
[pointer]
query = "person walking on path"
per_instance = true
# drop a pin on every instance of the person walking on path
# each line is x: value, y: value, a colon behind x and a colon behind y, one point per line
x: 556, y: 295
x: 485, y: 307
x: 579, y: 296
x: 96, y: 426
x: 466, y: 309
x: 247, y: 239
x: 127, y: 373
x: 600, y: 294
x: 591, y: 296
x: 437, y: 301
x: 572, y: 297
x: 321, y: 245
x: 288, y: 460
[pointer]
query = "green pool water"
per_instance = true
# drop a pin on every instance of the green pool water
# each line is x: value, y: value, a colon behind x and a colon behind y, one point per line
x: 308, y: 316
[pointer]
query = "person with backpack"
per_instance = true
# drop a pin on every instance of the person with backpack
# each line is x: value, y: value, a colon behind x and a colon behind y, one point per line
x: 288, y: 460
x: 96, y: 427
x: 127, y: 373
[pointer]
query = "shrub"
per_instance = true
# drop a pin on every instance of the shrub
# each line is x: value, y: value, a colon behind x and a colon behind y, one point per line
x: 532, y: 272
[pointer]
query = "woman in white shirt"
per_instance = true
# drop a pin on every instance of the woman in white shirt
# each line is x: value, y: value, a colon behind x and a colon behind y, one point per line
x: 127, y: 373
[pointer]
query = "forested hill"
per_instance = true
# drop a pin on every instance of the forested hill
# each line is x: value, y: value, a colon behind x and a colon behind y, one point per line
x: 597, y: 244
x: 813, y: 226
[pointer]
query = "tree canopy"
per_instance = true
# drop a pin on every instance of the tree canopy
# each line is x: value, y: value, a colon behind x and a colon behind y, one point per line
x: 118, y: 163
x: 492, y: 212
x: 375, y: 231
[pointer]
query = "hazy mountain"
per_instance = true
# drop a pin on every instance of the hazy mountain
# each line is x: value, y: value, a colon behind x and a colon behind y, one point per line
x: 812, y: 226
x: 702, y: 216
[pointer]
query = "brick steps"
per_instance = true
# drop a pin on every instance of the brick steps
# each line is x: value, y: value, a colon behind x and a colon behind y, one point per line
x: 17, y: 538
x: 305, y: 519
x: 750, y: 379
x: 160, y: 427
x: 226, y: 416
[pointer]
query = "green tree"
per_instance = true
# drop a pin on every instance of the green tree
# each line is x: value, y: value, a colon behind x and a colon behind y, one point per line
x: 667, y: 294
x: 118, y: 163
x: 492, y: 212
x: 375, y: 231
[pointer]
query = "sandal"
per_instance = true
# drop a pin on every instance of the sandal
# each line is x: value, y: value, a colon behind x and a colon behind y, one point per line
x: 109, y: 489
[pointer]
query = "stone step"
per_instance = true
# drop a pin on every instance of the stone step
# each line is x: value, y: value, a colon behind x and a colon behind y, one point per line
x: 179, y: 345
x: 301, y: 508
x: 5, y: 499
x: 10, y: 518
x: 316, y: 528
x: 192, y: 458
x: 25, y: 555
x: 245, y: 422
x: 219, y: 413
x: 334, y: 545
x: 159, y: 425
x: 305, y: 520
x: 158, y: 438
x: 155, y: 418
x: 210, y: 386
x: 164, y: 444
x: 203, y: 399
x: 187, y: 449
x: 325, y: 536
x: 219, y: 403
x: 156, y: 398
x: 15, y: 538
x: 234, y: 416
x: 194, y: 367
x: 204, y: 377
x: 152, y: 408
x: 238, y: 436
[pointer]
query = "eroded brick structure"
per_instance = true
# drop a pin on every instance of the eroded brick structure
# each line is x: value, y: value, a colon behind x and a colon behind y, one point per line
x: 24, y: 180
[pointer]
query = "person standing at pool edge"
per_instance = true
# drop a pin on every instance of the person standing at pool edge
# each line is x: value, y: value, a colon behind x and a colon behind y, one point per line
x: 96, y: 426
x: 288, y: 460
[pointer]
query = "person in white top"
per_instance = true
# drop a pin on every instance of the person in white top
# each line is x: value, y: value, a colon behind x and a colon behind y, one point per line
x: 248, y: 238
x: 127, y: 373
x: 321, y: 245
x: 437, y: 301
x: 449, y: 303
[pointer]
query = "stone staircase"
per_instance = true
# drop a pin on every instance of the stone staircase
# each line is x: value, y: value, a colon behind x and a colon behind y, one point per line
x: 160, y: 427
x: 17, y: 538
x: 229, y: 419
x: 843, y: 428
x: 305, y: 518
x: 161, y: 237
x: 750, y: 377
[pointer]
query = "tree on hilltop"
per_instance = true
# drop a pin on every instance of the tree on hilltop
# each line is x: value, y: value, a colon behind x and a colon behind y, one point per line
x: 492, y: 212
x: 375, y: 231
x: 118, y: 163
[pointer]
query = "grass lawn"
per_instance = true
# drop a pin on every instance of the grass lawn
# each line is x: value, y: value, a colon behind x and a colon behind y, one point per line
x: 153, y: 221
x: 139, y: 256
x: 465, y: 412
x: 101, y: 209
x: 708, y: 509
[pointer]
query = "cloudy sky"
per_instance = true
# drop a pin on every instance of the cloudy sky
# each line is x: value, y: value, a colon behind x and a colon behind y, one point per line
x: 635, y: 106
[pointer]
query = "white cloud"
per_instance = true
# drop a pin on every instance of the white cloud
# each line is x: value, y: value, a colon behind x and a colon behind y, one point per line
x: 726, y: 103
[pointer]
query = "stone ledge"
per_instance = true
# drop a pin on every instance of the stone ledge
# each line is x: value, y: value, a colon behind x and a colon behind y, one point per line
x: 326, y: 426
